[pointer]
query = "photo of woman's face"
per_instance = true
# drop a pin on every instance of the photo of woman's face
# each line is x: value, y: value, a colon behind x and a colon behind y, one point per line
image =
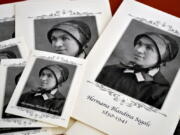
x: 145, y: 53
x: 63, y: 43
x: 47, y: 79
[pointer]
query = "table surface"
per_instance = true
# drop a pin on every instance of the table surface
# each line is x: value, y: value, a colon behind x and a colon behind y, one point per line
x: 169, y: 6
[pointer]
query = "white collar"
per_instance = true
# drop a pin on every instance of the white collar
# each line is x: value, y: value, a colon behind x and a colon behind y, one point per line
x: 45, y: 95
x: 140, y: 76
x: 53, y: 91
x: 82, y: 55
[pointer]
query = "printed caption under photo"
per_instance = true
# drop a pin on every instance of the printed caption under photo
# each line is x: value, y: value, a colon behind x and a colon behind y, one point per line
x: 115, y: 113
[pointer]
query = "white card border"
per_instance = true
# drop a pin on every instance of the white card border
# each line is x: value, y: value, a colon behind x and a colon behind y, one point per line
x: 21, y: 45
x: 38, y: 115
x: 7, y: 12
x: 14, y: 122
x: 24, y: 18
x: 121, y: 19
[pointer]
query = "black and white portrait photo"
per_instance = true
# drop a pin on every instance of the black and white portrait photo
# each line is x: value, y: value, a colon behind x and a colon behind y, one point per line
x: 47, y: 86
x: 143, y: 64
x: 12, y: 78
x: 73, y: 36
x: 7, y: 29
x: 11, y: 52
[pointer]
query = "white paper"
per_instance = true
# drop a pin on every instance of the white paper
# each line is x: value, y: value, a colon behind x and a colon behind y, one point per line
x: 35, y: 25
x: 10, y: 70
x: 30, y: 81
x: 79, y: 128
x: 60, y: 130
x: 113, y: 112
x: 15, y: 48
